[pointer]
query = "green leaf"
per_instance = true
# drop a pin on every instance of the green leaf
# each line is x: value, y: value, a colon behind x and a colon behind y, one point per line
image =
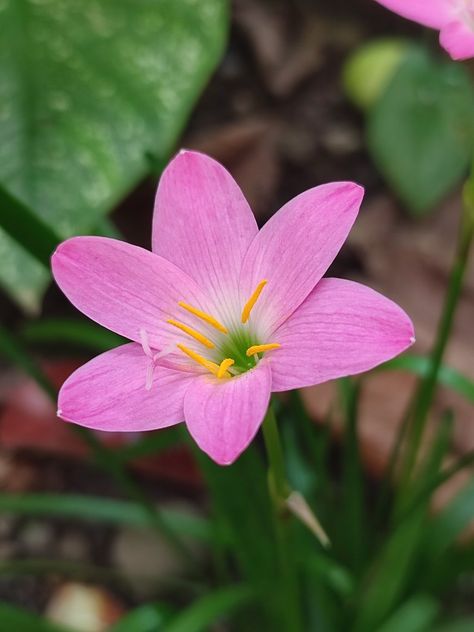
x: 450, y: 523
x: 207, y: 610
x: 369, y: 70
x: 88, y: 90
x: 391, y: 573
x: 354, y: 528
x: 244, y: 523
x: 415, y: 615
x: 147, y: 618
x: 16, y: 619
x: 107, y: 510
x: 462, y: 625
x: 82, y: 333
x: 420, y: 365
x: 421, y: 130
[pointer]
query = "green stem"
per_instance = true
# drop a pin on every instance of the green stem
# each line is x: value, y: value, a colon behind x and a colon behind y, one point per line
x: 424, y: 395
x: 276, y: 471
x: 279, y: 490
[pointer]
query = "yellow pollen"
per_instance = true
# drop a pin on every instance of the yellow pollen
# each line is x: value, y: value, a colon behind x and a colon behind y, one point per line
x: 192, y: 332
x: 206, y: 317
x: 252, y: 300
x: 261, y: 348
x: 224, y: 365
x: 207, y: 364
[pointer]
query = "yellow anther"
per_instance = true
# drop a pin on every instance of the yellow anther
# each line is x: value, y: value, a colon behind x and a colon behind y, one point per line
x: 206, y: 317
x: 207, y: 364
x: 262, y: 348
x: 252, y: 300
x: 224, y: 365
x: 192, y: 332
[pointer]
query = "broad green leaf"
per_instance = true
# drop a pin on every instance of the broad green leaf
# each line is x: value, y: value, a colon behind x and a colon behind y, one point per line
x: 13, y: 618
x: 416, y: 615
x: 209, y: 609
x: 421, y: 130
x: 91, y: 508
x: 89, y: 90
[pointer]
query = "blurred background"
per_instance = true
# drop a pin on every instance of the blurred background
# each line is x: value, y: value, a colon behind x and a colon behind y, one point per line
x: 95, y: 97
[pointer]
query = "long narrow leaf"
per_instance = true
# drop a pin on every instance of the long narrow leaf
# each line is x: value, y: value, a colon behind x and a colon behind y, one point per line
x: 101, y: 510
x: 420, y: 365
x: 147, y: 618
x: 72, y: 332
x: 209, y: 609
x: 416, y: 615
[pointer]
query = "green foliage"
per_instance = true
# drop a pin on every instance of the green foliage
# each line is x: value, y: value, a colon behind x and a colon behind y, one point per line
x: 421, y: 130
x: 90, y: 508
x: 16, y: 619
x: 370, y: 69
x: 90, y: 89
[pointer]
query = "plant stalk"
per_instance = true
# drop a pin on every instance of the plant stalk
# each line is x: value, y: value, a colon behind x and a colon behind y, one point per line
x: 426, y: 390
x: 279, y: 491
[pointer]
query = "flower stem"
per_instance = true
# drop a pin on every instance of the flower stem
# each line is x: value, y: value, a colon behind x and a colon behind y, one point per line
x: 279, y: 490
x: 424, y: 395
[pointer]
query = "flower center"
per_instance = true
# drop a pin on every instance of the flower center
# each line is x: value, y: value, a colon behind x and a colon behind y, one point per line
x: 232, y: 350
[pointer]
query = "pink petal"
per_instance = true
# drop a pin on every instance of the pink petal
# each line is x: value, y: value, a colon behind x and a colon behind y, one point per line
x: 342, y: 328
x: 295, y: 248
x: 458, y: 39
x: 108, y: 393
x: 432, y: 13
x: 223, y: 416
x: 202, y: 222
x: 124, y: 288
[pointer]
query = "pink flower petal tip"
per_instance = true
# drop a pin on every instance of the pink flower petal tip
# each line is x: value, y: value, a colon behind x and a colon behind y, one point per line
x: 453, y: 18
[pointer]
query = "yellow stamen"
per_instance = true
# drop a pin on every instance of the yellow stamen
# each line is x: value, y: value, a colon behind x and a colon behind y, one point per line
x: 252, y: 300
x: 262, y: 348
x: 206, y: 317
x: 224, y: 365
x: 192, y: 332
x: 207, y: 364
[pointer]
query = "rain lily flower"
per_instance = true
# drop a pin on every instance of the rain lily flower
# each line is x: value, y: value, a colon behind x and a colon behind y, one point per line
x: 221, y: 314
x: 453, y: 18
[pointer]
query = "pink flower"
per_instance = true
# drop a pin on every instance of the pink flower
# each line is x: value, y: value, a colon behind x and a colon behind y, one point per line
x: 221, y: 314
x: 453, y: 18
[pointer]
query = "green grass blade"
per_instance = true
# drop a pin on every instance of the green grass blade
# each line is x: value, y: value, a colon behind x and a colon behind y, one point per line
x: 147, y: 618
x: 353, y: 537
x: 84, y: 334
x: 200, y: 615
x: 420, y: 365
x: 450, y: 523
x: 105, y: 458
x: 95, y: 509
x: 416, y: 615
